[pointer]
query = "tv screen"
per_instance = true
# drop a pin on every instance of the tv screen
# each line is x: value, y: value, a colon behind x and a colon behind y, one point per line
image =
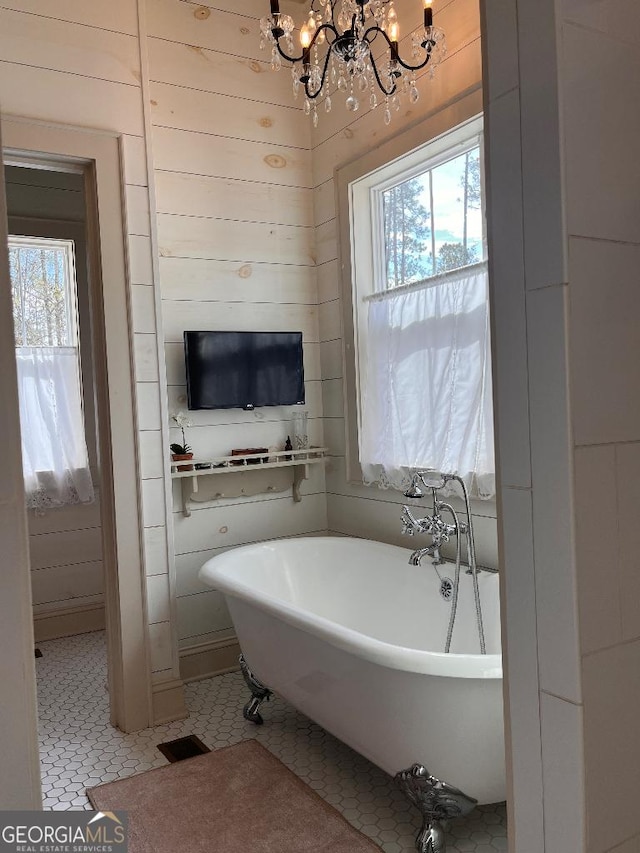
x: 243, y: 370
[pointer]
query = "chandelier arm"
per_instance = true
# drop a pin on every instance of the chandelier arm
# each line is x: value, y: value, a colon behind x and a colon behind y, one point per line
x: 308, y: 92
x: 431, y: 44
x: 376, y: 30
x: 294, y: 59
x: 392, y: 90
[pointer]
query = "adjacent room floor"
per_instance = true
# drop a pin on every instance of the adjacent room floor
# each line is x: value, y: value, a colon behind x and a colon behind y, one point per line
x: 79, y: 749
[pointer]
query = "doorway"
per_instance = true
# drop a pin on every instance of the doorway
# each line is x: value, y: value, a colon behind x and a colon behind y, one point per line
x: 58, y: 374
x: 53, y: 327
x: 96, y: 157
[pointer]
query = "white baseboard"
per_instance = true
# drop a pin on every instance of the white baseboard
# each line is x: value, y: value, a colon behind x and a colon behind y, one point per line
x: 208, y: 659
x: 68, y: 622
x: 168, y: 702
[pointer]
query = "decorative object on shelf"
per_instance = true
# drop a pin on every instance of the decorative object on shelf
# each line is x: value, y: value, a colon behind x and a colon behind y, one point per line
x: 181, y: 452
x: 288, y: 446
x: 251, y: 451
x: 299, y: 420
x: 347, y: 31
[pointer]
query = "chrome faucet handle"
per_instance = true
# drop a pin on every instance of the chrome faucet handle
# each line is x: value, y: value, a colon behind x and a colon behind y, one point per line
x: 409, y: 523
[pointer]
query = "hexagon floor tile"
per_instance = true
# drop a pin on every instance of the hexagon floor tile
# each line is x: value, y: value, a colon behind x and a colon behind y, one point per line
x: 79, y: 749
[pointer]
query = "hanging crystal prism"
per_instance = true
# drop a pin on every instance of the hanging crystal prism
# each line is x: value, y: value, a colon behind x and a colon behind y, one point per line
x: 387, y: 111
x: 414, y: 94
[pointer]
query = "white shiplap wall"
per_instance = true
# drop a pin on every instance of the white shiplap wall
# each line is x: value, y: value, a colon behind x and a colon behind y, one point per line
x: 339, y: 138
x: 79, y: 64
x: 233, y: 173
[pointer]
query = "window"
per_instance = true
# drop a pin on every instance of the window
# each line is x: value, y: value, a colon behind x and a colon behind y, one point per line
x: 433, y: 222
x: 54, y: 450
x: 421, y: 316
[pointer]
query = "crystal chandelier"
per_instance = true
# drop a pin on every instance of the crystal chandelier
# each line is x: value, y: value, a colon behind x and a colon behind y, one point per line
x: 338, y: 42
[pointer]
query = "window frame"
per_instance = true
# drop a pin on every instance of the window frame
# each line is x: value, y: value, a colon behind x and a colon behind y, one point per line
x: 359, y: 186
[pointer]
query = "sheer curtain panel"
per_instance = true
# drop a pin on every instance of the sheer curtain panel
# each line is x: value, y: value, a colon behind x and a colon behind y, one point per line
x: 54, y: 449
x: 427, y: 397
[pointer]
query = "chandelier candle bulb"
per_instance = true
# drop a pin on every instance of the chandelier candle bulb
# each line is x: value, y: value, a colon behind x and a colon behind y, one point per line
x: 428, y: 13
x: 394, y: 34
x: 305, y: 37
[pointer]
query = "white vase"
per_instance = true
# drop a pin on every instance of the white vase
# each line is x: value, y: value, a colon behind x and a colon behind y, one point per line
x: 299, y: 435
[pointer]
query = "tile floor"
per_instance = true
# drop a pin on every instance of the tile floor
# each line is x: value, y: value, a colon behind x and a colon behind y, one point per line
x: 80, y: 749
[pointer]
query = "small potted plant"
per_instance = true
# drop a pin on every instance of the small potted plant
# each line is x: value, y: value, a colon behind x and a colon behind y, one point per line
x: 181, y: 452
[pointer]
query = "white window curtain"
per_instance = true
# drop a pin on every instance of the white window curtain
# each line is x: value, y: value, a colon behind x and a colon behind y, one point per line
x: 427, y: 397
x: 54, y: 449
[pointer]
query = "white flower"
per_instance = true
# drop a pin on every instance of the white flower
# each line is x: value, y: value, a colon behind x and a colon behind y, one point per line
x: 182, y: 419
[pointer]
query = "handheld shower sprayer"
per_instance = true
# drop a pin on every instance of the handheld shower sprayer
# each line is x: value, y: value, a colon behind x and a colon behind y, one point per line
x: 414, y: 491
x: 434, y: 479
x: 430, y: 479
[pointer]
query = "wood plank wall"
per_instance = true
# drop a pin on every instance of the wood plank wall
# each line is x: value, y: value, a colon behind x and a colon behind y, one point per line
x: 340, y: 138
x: 78, y: 64
x: 233, y: 172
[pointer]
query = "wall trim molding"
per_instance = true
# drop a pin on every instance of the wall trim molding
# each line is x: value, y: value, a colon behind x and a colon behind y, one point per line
x: 68, y: 622
x: 205, y: 660
x: 168, y: 702
x: 99, y: 155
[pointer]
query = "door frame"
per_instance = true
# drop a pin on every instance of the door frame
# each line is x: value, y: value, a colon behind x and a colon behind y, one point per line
x: 100, y: 155
x: 20, y: 768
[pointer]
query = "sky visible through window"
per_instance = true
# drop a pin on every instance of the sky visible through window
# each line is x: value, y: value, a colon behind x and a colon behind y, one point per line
x: 433, y: 222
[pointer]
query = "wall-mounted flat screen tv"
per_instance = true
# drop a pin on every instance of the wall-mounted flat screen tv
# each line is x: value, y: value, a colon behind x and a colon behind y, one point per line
x: 243, y: 370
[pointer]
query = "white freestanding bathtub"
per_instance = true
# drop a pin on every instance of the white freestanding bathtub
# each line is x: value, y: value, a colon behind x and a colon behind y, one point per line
x: 352, y: 635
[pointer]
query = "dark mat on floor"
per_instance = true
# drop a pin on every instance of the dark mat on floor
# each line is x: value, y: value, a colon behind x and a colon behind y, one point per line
x: 235, y: 799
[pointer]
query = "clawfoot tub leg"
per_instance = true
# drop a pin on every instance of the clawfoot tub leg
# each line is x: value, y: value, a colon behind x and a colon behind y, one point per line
x: 437, y: 801
x: 258, y: 694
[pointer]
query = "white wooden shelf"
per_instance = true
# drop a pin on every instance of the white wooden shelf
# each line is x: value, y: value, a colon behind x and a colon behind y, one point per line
x: 285, y: 469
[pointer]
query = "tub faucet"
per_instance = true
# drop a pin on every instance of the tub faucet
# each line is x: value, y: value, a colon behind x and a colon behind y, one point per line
x: 440, y: 532
x: 434, y: 525
x: 432, y: 551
